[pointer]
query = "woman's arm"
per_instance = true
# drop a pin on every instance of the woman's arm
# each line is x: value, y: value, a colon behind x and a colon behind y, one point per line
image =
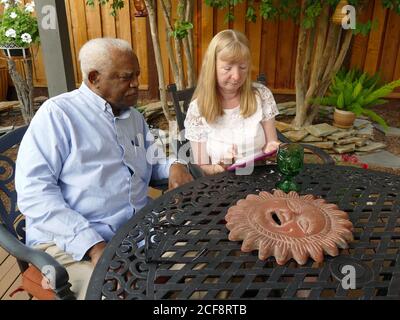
x: 271, y: 138
x: 201, y: 158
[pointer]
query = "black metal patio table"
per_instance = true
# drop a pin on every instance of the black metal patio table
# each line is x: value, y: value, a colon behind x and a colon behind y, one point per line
x: 178, y: 247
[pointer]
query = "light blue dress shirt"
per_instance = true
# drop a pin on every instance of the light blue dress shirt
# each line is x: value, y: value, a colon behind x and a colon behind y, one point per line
x: 73, y: 171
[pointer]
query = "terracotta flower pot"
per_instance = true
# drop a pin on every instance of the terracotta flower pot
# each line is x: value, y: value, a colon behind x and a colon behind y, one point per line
x: 343, y: 119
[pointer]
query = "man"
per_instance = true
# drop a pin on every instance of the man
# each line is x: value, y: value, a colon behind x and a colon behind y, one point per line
x: 83, y: 166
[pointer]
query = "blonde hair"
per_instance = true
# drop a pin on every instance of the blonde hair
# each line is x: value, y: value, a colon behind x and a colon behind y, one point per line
x: 233, y: 47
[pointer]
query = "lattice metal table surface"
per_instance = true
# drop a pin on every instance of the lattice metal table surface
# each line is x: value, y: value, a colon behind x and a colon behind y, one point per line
x: 178, y: 247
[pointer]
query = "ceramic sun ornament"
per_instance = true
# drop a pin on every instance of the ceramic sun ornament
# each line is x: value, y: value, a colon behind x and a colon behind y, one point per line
x: 289, y: 226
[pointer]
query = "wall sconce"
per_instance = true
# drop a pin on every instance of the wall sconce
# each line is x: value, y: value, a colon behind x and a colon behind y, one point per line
x: 140, y: 7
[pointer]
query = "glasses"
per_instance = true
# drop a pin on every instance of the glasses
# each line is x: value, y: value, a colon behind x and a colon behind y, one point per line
x: 290, y: 161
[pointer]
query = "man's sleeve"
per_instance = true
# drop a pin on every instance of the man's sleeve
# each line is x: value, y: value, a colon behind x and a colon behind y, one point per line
x: 41, y: 155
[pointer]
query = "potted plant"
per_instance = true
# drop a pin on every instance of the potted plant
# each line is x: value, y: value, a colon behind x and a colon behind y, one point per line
x: 353, y: 93
x: 18, y: 28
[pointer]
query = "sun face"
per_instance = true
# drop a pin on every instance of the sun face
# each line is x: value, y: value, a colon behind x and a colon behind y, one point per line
x: 289, y: 226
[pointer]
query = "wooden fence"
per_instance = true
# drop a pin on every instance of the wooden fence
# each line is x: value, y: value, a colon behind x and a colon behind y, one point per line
x: 273, y: 43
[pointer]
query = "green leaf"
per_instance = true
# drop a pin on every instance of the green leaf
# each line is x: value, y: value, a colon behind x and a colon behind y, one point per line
x: 340, y: 101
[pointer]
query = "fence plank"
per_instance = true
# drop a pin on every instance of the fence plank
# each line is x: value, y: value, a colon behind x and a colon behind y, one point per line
x: 375, y: 39
x: 284, y: 57
x: 93, y: 19
x: 360, y: 42
x: 220, y: 22
x: 239, y: 12
x: 207, y: 26
x: 269, y: 46
x: 79, y: 31
x: 254, y: 34
x: 390, y: 47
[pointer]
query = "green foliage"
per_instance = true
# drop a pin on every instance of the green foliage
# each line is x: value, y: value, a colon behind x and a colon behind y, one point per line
x: 392, y: 5
x: 270, y: 9
x: 181, y: 29
x: 17, y: 25
x: 115, y: 5
x: 356, y: 91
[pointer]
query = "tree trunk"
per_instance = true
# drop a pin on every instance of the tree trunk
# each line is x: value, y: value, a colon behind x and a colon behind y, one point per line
x: 157, y: 53
x: 299, y: 76
x: 188, y: 45
x: 24, y: 88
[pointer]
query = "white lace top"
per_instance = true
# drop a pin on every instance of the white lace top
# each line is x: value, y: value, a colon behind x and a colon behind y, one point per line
x: 231, y: 128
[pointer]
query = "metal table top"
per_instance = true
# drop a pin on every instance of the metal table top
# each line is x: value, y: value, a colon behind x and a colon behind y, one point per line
x: 178, y: 247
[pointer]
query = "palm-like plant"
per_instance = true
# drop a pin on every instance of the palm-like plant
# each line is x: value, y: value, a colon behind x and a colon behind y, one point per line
x: 357, y: 92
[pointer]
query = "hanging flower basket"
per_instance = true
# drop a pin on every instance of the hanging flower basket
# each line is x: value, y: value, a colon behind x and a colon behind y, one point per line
x: 11, y: 50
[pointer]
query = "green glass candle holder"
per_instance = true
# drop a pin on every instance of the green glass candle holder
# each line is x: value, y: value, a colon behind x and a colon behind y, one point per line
x: 290, y: 161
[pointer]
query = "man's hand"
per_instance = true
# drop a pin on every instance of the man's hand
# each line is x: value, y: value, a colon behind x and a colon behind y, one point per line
x: 96, y: 251
x: 178, y: 175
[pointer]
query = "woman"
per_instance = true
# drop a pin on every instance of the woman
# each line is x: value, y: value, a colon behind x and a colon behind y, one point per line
x: 230, y: 117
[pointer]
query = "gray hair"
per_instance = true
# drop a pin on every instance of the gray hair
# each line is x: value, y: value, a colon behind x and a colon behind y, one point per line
x: 95, y: 54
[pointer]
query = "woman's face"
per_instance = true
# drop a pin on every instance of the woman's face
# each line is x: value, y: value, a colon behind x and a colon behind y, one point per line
x: 231, y: 75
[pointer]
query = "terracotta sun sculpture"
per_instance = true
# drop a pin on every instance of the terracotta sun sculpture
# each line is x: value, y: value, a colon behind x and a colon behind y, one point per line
x: 289, y: 226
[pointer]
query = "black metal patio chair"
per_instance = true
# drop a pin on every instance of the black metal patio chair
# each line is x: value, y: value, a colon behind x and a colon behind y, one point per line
x: 12, y: 233
x: 181, y: 100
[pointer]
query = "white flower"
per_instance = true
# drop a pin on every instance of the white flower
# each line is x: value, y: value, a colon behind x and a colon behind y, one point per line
x: 6, y: 5
x: 30, y: 7
x: 4, y: 1
x: 11, y: 33
x: 13, y: 15
x: 26, y: 37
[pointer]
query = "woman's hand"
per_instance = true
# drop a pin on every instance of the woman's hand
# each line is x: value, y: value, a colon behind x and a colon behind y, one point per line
x: 271, y: 146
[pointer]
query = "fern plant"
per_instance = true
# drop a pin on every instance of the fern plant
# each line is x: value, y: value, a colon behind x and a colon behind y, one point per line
x: 357, y: 92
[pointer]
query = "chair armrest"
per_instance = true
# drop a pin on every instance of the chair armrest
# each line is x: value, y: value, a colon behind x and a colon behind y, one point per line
x: 40, y: 260
x: 195, y: 170
x: 325, y: 157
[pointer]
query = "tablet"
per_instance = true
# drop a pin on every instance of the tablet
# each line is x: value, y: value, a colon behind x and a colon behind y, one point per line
x: 241, y: 163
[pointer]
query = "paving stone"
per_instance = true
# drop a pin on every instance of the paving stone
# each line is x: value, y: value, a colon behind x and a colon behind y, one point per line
x: 371, y: 147
x: 390, y: 132
x: 323, y: 145
x: 311, y: 138
x: 321, y: 130
x: 282, y: 126
x: 341, y: 134
x: 367, y: 132
x: 296, y: 135
x: 345, y: 148
x: 286, y: 105
x: 288, y: 112
x: 355, y: 140
x: 361, y: 123
x: 381, y: 158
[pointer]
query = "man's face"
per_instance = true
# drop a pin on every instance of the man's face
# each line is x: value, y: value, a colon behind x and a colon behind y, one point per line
x: 118, y: 84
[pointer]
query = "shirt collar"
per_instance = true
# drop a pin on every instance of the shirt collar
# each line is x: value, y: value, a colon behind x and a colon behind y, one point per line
x: 101, y: 103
